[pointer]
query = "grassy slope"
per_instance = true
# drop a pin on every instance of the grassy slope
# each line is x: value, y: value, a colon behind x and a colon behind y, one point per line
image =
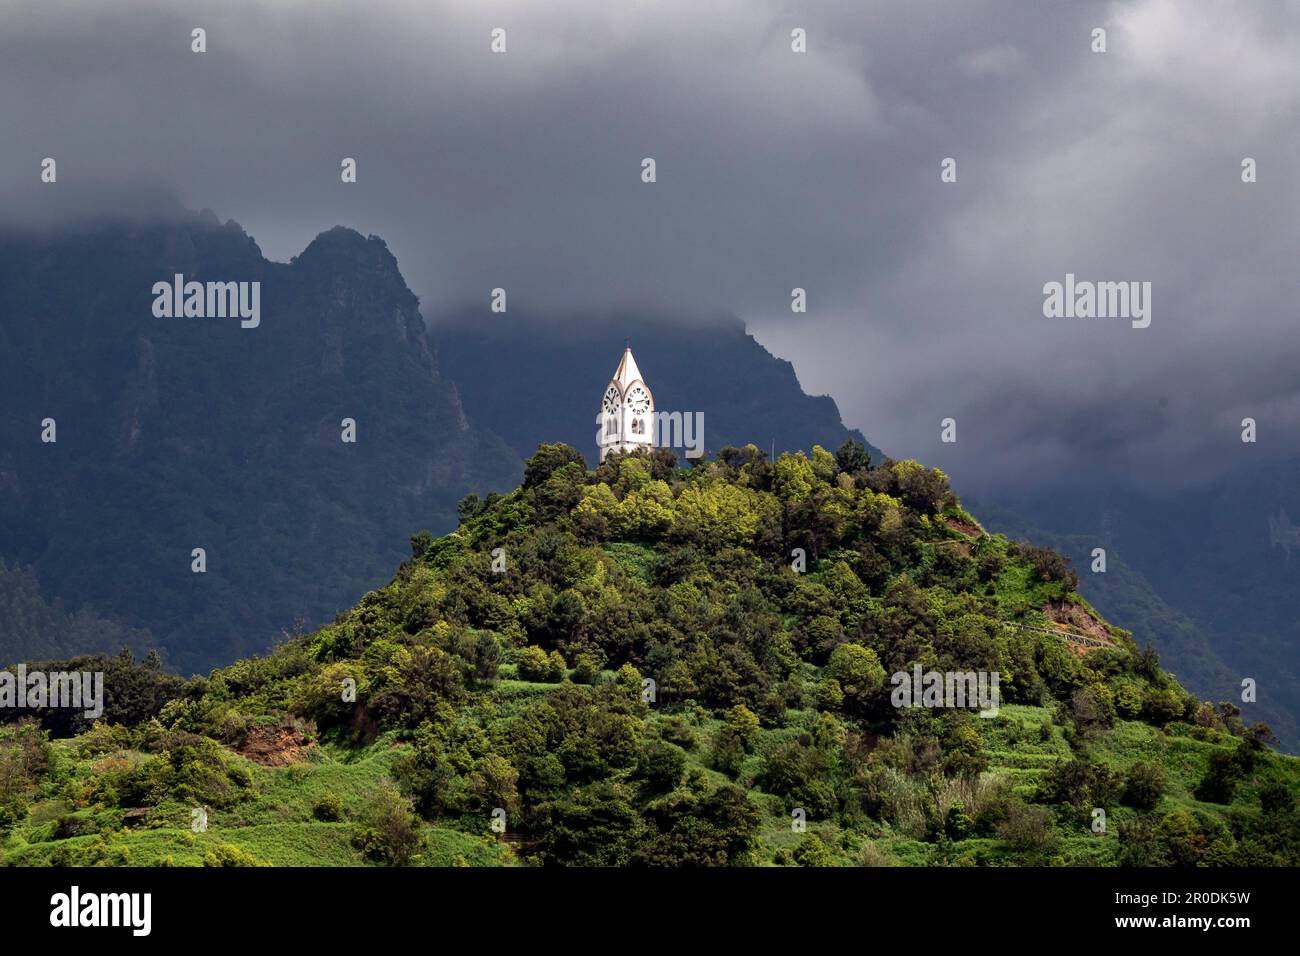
x: 277, y: 825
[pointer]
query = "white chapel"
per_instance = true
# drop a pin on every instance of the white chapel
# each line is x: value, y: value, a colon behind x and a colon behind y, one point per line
x: 627, y: 411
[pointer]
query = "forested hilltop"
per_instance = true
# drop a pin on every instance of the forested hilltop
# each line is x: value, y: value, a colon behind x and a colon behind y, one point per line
x: 653, y: 665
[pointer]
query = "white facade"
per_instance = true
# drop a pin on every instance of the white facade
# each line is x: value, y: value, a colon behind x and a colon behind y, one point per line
x: 627, y: 411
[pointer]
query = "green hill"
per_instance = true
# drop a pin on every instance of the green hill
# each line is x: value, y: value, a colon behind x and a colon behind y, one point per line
x: 651, y: 665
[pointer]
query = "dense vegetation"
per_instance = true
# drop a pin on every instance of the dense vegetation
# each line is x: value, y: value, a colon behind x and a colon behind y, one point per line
x: 653, y: 665
x: 1214, y: 571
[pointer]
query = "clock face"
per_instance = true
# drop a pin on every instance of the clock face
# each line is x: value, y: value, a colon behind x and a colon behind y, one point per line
x: 611, y: 402
x: 638, y: 400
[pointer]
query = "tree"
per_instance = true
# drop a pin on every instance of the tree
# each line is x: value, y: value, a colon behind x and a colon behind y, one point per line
x: 690, y: 829
x: 388, y: 831
x: 1220, y: 781
x: 536, y: 665
x: 596, y: 511
x: 1050, y: 566
x: 1081, y: 785
x: 594, y: 826
x: 548, y: 459
x: 494, y: 784
x: 1028, y: 829
x: 661, y: 766
x: 487, y: 657
x: 1144, y: 785
x: 823, y: 463
x: 1276, y: 799
x: 743, y: 722
x: 1161, y: 705
x: 470, y: 506
x: 852, y: 457
x: 811, y: 851
x: 794, y: 477
x: 801, y: 774
x: 858, y: 671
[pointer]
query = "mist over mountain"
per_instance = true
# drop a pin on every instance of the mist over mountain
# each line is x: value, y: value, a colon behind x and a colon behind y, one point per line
x: 173, y: 434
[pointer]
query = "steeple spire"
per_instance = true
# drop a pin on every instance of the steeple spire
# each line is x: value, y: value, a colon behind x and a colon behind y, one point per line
x: 627, y: 372
x: 627, y: 410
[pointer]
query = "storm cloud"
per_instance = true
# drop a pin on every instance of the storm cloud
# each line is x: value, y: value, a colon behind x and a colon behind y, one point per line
x: 775, y: 170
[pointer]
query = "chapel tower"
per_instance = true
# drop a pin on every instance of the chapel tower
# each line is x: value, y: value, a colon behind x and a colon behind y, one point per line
x: 626, y: 411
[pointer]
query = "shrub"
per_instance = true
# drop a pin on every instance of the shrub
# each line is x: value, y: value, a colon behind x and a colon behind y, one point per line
x: 1050, y: 566
x: 1220, y: 781
x: 1028, y: 829
x: 388, y: 832
x: 743, y: 722
x: 586, y: 668
x: 858, y: 671
x: 811, y: 851
x: 728, y: 752
x: 328, y: 807
x: 1276, y: 799
x: 873, y: 854
x: 538, y: 666
x: 1144, y: 785
x: 661, y: 766
x: 675, y: 730
x: 229, y: 855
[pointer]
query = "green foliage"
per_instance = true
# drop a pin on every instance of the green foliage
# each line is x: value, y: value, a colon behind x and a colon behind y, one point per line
x: 661, y: 766
x: 858, y: 672
x: 852, y: 457
x: 1144, y: 786
x: 1220, y: 780
x: 388, y: 832
x: 715, y: 689
x: 811, y: 851
x: 228, y: 855
x: 328, y: 807
x: 536, y: 665
x: 547, y: 461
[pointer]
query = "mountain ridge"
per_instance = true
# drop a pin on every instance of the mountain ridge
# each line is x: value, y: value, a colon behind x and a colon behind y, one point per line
x: 194, y: 432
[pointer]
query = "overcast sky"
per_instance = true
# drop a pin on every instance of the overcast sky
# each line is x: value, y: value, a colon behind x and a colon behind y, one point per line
x: 775, y: 170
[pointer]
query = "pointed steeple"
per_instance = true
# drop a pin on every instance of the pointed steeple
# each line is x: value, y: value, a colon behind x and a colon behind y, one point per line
x: 626, y: 410
x: 627, y: 372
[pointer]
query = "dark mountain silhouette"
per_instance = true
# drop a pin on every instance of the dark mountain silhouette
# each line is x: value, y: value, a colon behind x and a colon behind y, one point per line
x: 746, y: 394
x: 183, y: 433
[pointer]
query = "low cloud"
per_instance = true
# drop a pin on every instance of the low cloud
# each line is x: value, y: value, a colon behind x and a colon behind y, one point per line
x: 775, y: 170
